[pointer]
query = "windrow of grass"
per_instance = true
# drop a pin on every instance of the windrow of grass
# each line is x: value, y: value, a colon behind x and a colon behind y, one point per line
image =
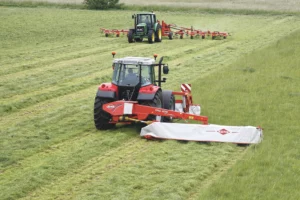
x: 52, y: 61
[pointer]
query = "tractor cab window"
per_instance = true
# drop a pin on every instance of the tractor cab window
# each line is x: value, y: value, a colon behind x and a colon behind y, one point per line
x: 129, y: 75
x: 144, y: 19
x: 147, y: 75
x: 126, y: 75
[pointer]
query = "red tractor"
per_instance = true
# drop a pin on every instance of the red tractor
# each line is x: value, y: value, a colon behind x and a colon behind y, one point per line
x: 135, y: 94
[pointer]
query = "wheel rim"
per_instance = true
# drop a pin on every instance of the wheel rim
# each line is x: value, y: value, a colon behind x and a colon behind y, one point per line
x: 159, y: 33
x: 152, y: 36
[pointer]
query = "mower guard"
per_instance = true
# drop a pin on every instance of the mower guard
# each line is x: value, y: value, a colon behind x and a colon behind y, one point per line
x: 203, y: 133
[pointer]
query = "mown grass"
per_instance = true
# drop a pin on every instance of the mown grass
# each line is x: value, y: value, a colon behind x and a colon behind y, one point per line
x: 52, y: 61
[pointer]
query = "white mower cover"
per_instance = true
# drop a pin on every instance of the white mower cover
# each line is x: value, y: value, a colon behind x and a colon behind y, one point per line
x: 204, y: 133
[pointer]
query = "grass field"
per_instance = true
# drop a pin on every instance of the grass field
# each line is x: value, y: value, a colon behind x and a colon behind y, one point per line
x: 52, y: 61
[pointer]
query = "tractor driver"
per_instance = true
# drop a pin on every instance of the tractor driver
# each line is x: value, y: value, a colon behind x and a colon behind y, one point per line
x: 131, y: 77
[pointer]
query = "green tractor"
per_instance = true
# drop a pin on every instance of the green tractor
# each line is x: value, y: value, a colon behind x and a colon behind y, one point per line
x: 145, y: 26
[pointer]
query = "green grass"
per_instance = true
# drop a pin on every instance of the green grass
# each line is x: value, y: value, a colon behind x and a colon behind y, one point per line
x: 52, y: 61
x: 262, y: 89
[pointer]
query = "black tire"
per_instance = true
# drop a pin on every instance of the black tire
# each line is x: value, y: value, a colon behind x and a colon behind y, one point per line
x: 151, y: 36
x: 170, y: 36
x: 130, y: 36
x: 169, y: 103
x: 102, y: 118
x: 118, y: 35
x: 106, y: 34
x: 203, y: 36
x: 181, y: 36
x: 192, y: 37
x: 224, y: 37
x: 156, y: 102
x: 158, y: 34
x: 213, y: 37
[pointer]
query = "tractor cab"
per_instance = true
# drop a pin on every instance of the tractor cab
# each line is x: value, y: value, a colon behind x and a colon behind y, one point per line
x: 144, y: 22
x: 133, y: 72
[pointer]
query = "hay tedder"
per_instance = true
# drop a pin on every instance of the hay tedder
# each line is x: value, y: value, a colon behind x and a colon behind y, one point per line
x: 147, y: 26
x: 135, y: 96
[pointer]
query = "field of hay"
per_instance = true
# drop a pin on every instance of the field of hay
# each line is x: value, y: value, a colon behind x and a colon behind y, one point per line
x: 52, y: 61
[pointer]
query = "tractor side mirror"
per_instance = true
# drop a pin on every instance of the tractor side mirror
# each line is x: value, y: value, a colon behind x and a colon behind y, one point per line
x: 165, y: 69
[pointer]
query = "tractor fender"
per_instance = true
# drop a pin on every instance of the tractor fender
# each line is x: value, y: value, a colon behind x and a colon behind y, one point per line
x: 147, y: 92
x: 155, y: 27
x: 107, y: 90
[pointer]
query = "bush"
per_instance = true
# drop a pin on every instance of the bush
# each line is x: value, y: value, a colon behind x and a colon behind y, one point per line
x: 102, y: 4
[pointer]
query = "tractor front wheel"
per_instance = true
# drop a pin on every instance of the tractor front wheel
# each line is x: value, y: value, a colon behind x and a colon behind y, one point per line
x: 151, y: 36
x: 130, y: 36
x: 102, y: 118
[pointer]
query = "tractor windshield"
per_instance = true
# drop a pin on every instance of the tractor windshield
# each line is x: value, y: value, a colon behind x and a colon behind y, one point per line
x: 129, y: 75
x: 146, y: 18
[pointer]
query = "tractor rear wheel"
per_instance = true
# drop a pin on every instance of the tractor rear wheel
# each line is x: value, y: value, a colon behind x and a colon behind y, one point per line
x: 158, y: 34
x: 102, y: 118
x: 151, y: 36
x: 169, y: 103
x: 156, y: 102
x: 130, y: 36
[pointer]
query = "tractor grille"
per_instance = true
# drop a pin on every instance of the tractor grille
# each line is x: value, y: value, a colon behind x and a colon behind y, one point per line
x: 140, y: 29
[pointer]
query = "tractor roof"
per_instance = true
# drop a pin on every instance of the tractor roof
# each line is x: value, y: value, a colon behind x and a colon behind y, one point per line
x: 135, y: 60
x: 146, y: 13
